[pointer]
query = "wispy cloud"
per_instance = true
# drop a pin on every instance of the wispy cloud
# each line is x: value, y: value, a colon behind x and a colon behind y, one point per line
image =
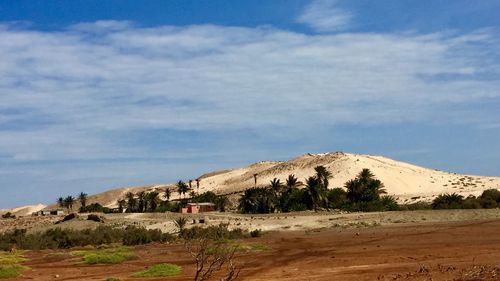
x: 325, y: 16
x: 94, y: 84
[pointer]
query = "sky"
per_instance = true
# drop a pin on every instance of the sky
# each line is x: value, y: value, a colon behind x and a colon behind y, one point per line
x: 100, y: 94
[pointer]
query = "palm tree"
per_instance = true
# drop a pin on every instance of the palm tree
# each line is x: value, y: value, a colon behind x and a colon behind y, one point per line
x: 323, y: 175
x: 291, y: 182
x: 221, y: 202
x: 131, y: 202
x: 82, y: 197
x: 276, y: 187
x: 257, y: 201
x: 255, y: 180
x: 121, y: 205
x: 180, y: 223
x: 192, y: 194
x: 142, y: 201
x: 190, y: 184
x: 168, y: 193
x: 315, y: 192
x: 198, y: 185
x: 69, y: 201
x: 60, y: 202
x: 364, y: 188
x: 152, y: 200
x: 182, y: 188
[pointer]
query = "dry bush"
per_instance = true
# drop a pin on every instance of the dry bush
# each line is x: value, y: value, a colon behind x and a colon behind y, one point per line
x: 213, y: 258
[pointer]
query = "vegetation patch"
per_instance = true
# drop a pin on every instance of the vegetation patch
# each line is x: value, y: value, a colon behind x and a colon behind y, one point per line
x: 238, y: 247
x: 106, y: 256
x: 245, y: 247
x: 9, y: 264
x: 11, y: 271
x: 68, y: 238
x: 219, y: 232
x: 160, y: 270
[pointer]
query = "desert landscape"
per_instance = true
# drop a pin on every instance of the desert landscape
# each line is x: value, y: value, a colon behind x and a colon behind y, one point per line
x: 416, y: 245
x: 428, y: 242
x: 245, y: 140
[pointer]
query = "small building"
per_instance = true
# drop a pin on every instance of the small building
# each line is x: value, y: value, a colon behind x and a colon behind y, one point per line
x: 50, y: 212
x: 195, y: 208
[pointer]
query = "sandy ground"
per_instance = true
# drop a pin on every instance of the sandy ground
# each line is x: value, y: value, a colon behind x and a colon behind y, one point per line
x: 450, y: 250
x: 300, y: 221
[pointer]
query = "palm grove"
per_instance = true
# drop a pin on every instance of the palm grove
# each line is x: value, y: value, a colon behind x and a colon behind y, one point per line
x: 363, y: 193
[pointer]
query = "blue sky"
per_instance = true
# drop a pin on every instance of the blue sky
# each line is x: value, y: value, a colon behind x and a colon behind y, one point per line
x: 102, y: 94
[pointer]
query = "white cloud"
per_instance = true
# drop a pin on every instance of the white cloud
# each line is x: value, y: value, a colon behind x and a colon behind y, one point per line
x: 66, y: 95
x: 325, y: 16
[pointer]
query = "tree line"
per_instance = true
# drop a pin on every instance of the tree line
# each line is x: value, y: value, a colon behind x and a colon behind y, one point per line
x: 363, y: 193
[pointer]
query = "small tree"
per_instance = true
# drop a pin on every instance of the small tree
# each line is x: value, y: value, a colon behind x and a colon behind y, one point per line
x: 180, y: 223
x: 60, y: 202
x: 121, y: 205
x: 131, y: 202
x: 168, y: 194
x: 82, y: 197
x: 69, y: 201
x: 210, y: 258
x: 182, y: 188
x: 152, y: 200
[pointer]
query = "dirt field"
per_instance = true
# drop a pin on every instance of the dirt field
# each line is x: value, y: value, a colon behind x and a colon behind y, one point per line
x: 460, y: 250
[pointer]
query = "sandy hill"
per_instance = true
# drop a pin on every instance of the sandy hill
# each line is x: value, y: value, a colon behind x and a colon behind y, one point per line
x: 405, y: 181
x: 24, y: 210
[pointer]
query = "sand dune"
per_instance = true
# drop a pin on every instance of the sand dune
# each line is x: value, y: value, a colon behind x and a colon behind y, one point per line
x: 24, y: 210
x: 405, y: 181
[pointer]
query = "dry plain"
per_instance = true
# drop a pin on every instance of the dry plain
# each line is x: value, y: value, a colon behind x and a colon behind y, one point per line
x: 410, y: 245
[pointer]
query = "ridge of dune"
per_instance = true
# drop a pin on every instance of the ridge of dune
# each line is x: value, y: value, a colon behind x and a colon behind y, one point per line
x: 407, y: 182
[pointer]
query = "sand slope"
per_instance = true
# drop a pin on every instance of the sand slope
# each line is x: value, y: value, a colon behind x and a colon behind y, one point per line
x: 24, y: 210
x: 405, y: 181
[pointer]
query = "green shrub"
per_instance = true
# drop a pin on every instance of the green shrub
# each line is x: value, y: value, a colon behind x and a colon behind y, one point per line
x: 139, y: 236
x: 256, y: 233
x: 106, y: 256
x: 415, y: 206
x: 493, y: 194
x: 11, y: 271
x: 8, y: 215
x: 10, y: 264
x: 160, y: 270
x: 389, y: 203
x: 95, y: 208
x: 220, y: 232
x: 67, y: 238
x: 166, y: 206
x: 96, y: 218
x: 448, y: 201
x: 336, y: 198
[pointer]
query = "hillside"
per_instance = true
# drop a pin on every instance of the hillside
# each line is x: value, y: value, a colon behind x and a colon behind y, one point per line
x: 405, y: 181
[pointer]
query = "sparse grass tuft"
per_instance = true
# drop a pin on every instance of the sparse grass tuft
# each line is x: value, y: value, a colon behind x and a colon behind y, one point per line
x: 241, y: 247
x: 252, y: 247
x: 106, y: 256
x: 9, y: 264
x: 160, y: 270
x: 11, y: 271
x: 11, y: 258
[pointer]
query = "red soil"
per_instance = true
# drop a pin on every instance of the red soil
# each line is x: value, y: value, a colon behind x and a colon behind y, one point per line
x: 427, y: 251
